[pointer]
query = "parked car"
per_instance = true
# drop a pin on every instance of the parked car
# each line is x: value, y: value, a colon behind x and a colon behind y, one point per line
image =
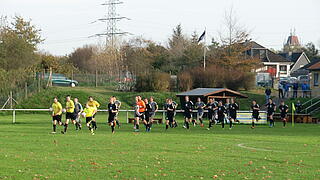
x: 303, y: 78
x: 290, y: 80
x: 64, y: 82
x: 59, y: 80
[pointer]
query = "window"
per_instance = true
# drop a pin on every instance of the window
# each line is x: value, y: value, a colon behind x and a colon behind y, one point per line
x: 262, y: 54
x: 316, y: 79
x: 283, y: 68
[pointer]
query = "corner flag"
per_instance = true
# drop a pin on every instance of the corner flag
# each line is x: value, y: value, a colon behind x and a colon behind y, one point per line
x: 202, y: 36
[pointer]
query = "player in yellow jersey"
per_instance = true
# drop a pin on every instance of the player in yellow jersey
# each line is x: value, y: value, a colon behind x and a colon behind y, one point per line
x: 56, y: 109
x: 94, y: 104
x: 69, y: 113
x: 88, y: 112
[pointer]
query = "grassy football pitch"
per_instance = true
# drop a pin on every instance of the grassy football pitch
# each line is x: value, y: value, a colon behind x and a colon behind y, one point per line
x: 29, y: 151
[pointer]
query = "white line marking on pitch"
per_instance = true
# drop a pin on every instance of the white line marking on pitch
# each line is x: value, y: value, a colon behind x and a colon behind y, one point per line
x: 257, y: 149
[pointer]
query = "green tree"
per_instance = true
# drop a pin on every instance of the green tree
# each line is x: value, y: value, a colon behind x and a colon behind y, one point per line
x: 311, y: 51
x: 81, y: 58
x: 18, y: 43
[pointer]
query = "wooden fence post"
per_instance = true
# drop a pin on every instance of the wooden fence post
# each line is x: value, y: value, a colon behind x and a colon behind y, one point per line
x: 26, y: 90
x: 96, y: 78
x: 11, y: 100
x: 39, y: 84
x: 72, y: 75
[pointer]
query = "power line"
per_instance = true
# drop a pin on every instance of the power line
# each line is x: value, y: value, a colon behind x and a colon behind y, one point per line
x: 111, y: 20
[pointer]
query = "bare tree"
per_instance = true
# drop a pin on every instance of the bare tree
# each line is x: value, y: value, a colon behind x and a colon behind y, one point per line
x: 233, y: 32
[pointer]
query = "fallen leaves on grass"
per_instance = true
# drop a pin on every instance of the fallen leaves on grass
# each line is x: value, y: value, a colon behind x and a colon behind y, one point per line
x: 215, y: 176
x: 249, y: 163
x: 94, y: 163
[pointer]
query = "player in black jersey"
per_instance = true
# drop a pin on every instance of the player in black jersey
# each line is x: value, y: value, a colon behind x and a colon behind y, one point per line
x: 211, y: 107
x: 233, y: 107
x: 227, y: 105
x: 271, y: 109
x: 221, y: 113
x: 170, y: 113
x: 187, y: 109
x: 283, y: 108
x: 118, y: 104
x: 147, y: 121
x: 255, y: 112
x: 113, y: 110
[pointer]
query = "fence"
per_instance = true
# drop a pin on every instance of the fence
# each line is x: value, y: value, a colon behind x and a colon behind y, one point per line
x: 296, y: 94
x: 12, y: 98
x: 96, y: 79
x: 243, y: 116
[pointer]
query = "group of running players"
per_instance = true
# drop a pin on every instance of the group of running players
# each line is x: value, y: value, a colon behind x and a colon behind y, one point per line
x: 145, y: 111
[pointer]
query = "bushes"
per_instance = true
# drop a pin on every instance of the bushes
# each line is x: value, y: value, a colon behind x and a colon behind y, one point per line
x: 154, y: 81
x: 249, y: 82
x: 185, y: 81
x: 215, y: 76
x: 160, y: 81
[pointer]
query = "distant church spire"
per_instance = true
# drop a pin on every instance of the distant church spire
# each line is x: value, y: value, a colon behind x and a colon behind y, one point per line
x: 292, y: 44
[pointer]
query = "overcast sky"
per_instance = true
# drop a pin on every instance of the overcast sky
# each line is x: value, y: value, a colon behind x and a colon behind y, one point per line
x: 66, y: 24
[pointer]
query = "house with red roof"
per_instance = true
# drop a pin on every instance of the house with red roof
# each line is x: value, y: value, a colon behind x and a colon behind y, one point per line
x: 274, y: 64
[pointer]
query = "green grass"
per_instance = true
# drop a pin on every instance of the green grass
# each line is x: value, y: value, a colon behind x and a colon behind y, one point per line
x: 29, y: 151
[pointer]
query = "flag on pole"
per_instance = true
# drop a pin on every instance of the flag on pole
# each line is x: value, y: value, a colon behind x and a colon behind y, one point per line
x: 292, y: 115
x: 293, y: 107
x: 202, y: 36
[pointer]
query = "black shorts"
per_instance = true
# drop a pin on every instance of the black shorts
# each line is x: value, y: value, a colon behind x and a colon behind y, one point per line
x: 56, y: 118
x: 270, y: 114
x: 88, y: 119
x: 170, y: 117
x: 188, y: 115
x: 233, y: 116
x: 283, y: 116
x: 70, y: 116
x: 141, y: 115
x: 111, y: 119
x: 256, y: 117
x: 210, y: 116
x: 221, y: 119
